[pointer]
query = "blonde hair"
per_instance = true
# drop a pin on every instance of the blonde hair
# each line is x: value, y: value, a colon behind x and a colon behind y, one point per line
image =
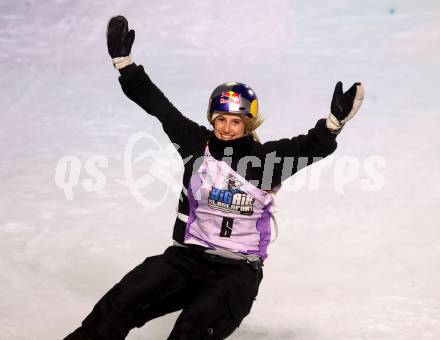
x: 251, y: 124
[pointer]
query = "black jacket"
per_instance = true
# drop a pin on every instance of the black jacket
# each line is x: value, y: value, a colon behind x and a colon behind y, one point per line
x: 192, y: 138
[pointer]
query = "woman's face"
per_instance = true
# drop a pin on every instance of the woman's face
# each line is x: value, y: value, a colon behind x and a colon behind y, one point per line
x: 228, y: 127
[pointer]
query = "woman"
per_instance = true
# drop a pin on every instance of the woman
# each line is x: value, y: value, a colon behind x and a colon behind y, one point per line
x: 214, y: 268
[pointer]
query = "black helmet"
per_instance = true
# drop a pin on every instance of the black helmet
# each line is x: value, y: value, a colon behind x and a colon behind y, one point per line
x: 237, y: 98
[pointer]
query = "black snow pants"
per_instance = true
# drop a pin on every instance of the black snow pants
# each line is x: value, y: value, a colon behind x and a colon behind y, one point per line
x: 214, y: 294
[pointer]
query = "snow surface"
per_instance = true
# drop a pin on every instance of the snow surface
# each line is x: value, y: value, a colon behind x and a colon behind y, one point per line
x: 350, y: 263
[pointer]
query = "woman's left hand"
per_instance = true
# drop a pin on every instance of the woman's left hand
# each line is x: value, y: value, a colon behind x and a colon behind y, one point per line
x: 344, y: 105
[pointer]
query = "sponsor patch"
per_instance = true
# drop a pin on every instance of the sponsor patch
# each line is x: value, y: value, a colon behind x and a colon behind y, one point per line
x: 232, y: 199
x: 230, y: 97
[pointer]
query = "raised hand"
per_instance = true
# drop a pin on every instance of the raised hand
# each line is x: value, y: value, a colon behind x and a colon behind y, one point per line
x: 119, y: 38
x: 344, y: 105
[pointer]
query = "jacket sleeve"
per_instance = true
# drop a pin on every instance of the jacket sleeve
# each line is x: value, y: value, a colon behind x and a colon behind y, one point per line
x: 298, y: 152
x: 184, y: 132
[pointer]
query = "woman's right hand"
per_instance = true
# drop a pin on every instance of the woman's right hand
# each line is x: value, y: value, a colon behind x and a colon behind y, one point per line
x: 119, y: 38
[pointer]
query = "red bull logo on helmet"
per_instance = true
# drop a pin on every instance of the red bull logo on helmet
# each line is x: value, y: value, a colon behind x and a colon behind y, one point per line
x: 230, y: 97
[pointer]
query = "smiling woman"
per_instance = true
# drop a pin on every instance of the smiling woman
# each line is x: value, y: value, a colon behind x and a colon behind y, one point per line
x: 222, y: 232
x: 238, y: 101
x: 229, y: 126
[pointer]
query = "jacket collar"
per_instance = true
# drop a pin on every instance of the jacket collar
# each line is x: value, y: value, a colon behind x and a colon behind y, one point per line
x: 240, y: 146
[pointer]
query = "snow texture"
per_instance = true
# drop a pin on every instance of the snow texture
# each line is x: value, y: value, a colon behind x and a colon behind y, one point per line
x: 358, y: 256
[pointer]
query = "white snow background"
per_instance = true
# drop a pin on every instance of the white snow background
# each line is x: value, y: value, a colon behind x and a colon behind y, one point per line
x: 350, y: 262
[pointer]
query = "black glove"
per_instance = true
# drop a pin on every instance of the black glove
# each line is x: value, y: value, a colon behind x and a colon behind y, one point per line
x: 119, y: 38
x: 344, y: 105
